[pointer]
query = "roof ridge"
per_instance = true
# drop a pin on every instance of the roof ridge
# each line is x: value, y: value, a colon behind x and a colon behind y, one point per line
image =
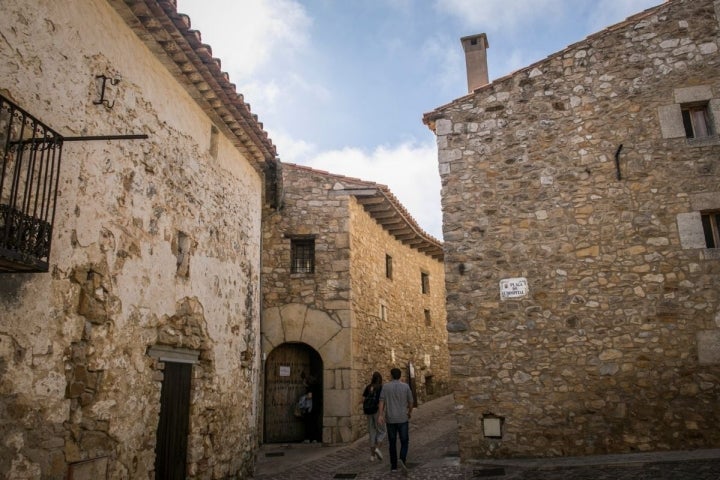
x: 159, y: 24
x: 428, y: 117
x: 386, y: 193
x: 330, y: 174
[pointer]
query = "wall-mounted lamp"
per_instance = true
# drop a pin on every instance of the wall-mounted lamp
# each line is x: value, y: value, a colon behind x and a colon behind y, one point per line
x: 113, y: 81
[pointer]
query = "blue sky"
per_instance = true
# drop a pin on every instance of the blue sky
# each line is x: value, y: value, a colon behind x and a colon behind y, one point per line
x: 342, y: 85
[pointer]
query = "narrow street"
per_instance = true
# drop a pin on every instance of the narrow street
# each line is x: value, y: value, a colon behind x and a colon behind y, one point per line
x: 434, y: 455
x: 433, y: 450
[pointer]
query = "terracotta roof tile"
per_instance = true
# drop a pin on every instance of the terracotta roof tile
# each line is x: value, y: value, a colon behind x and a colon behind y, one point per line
x: 402, y: 225
x: 158, y: 23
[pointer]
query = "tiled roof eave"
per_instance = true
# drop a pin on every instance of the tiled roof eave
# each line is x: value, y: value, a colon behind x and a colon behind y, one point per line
x: 167, y: 33
x: 385, y: 209
x: 380, y: 203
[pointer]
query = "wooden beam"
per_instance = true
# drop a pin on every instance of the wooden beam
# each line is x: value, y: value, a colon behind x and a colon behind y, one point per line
x: 370, y: 200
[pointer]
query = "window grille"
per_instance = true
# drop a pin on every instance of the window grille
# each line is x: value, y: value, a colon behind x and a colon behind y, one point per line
x: 303, y: 255
x: 29, y: 175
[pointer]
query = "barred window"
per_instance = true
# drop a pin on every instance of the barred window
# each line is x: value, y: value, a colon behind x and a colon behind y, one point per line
x: 302, y: 255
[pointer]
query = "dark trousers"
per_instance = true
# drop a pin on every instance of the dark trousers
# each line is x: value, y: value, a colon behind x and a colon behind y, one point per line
x: 312, y: 427
x: 394, y: 430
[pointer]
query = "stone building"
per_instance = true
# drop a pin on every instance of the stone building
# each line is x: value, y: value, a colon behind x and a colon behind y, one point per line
x: 581, y: 200
x: 137, y: 332
x: 351, y: 285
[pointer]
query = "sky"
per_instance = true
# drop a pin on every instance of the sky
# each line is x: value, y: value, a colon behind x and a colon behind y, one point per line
x: 342, y: 85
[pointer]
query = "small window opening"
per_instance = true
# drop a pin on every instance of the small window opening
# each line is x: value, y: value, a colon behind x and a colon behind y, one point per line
x: 429, y: 385
x: 388, y: 266
x: 425, y: 282
x: 214, y: 132
x: 696, y: 121
x: 302, y: 255
x: 383, y: 312
x: 711, y: 228
x: 428, y: 320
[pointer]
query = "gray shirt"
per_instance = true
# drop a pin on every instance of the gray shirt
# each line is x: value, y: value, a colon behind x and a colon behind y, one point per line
x: 398, y: 399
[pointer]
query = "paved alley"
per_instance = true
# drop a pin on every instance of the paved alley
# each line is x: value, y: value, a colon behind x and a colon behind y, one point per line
x: 434, y: 455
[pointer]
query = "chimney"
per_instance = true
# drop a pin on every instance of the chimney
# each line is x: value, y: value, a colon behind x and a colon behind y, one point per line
x: 475, y: 47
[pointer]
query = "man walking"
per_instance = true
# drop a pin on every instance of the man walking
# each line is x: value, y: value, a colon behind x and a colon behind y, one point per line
x: 395, y: 409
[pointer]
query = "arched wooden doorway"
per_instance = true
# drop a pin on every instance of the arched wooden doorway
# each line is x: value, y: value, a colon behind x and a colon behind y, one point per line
x: 289, y: 368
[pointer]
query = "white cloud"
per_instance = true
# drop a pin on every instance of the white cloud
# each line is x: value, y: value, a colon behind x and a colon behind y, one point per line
x: 409, y: 170
x: 291, y: 150
x: 251, y: 33
x: 271, y: 96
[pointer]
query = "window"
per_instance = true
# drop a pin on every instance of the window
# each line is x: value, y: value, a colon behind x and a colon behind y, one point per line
x: 429, y: 385
x: 383, y: 312
x: 425, y: 282
x: 711, y: 228
x: 388, y: 266
x: 428, y: 320
x: 693, y: 115
x: 214, y: 134
x: 302, y: 255
x: 696, y: 121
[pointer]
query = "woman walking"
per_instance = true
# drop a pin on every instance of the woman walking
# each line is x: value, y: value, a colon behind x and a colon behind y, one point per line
x: 371, y: 399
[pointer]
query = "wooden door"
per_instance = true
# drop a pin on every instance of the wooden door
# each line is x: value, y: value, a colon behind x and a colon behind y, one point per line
x: 286, y: 369
x: 172, y: 432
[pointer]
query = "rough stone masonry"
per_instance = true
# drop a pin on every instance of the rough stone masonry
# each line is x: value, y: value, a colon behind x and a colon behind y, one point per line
x: 583, y: 302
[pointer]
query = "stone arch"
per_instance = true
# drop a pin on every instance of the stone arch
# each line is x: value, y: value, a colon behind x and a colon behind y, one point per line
x: 296, y: 322
x: 329, y: 334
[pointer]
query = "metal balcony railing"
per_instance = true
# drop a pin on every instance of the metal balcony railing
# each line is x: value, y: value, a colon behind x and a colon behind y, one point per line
x: 29, y: 175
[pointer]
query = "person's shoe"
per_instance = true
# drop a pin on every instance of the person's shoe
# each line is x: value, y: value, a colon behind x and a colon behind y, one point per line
x: 378, y: 454
x: 372, y: 458
x: 403, y: 467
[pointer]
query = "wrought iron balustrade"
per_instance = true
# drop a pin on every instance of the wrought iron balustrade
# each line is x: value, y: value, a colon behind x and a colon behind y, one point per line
x: 29, y: 175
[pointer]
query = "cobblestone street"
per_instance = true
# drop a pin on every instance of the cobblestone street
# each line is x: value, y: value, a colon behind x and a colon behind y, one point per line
x: 433, y: 455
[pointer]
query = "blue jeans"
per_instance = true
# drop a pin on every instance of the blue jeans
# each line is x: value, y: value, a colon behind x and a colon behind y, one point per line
x: 393, y: 430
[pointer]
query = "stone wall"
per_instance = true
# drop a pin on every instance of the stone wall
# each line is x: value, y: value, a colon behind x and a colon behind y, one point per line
x: 407, y: 335
x: 156, y: 242
x: 311, y: 206
x: 335, y: 309
x: 612, y: 347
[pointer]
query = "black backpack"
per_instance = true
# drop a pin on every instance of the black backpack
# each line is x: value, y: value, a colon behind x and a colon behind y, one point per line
x: 370, y: 404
